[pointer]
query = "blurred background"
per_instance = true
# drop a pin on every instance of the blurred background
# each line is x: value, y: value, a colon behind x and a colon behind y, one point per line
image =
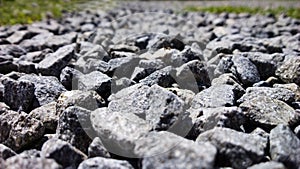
x: 28, y: 11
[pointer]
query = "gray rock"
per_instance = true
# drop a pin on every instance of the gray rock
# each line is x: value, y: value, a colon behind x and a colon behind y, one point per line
x: 19, y: 36
x: 245, y: 70
x: 97, y: 149
x: 193, y: 73
x: 37, y: 43
x: 6, y: 152
x: 186, y: 95
x: 167, y: 150
x: 3, y: 108
x: 187, y: 55
x: 266, y: 112
x: 289, y: 71
x: 297, y: 131
x: 156, y: 105
x: 119, y: 131
x: 119, y: 84
x: 26, y: 67
x: 269, y: 164
x: 31, y: 163
x: 33, y: 153
x: 230, y: 79
x: 12, y: 50
x: 89, y: 100
x: 282, y: 94
x: 237, y: 149
x: 55, y: 62
x: 7, y: 64
x: 47, y: 114
x: 18, y: 130
x: 164, y: 77
x: 209, y: 118
x: 74, y: 126
x: 18, y: 95
x: 63, y: 153
x: 69, y: 77
x: 123, y: 67
x: 215, y: 96
x: 99, y: 163
x: 284, y: 146
x: 290, y: 86
x: 58, y: 41
x: 141, y: 73
x: 96, y: 81
x: 47, y: 88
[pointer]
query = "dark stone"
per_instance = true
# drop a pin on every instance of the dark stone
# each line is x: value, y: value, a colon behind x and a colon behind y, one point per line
x: 97, y: 149
x: 236, y: 149
x: 284, y: 146
x: 47, y: 88
x: 164, y: 77
x: 99, y: 162
x: 6, y: 152
x: 69, y: 77
x: 55, y: 62
x: 63, y: 153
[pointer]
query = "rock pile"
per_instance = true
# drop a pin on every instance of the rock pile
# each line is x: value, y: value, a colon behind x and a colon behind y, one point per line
x: 142, y: 88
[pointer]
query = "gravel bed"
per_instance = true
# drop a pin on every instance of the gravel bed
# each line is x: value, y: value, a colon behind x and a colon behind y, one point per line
x: 146, y: 88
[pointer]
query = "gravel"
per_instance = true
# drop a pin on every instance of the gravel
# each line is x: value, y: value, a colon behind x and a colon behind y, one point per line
x: 143, y: 87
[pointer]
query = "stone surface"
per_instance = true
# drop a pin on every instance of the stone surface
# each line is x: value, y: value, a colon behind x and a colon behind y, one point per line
x: 270, y: 164
x: 167, y: 150
x: 99, y: 162
x: 237, y: 149
x: 6, y: 152
x: 97, y: 149
x: 289, y: 71
x: 284, y: 146
x: 63, y: 153
x: 266, y: 112
x: 31, y: 163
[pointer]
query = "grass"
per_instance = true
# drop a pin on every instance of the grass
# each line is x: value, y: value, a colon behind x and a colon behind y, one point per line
x: 293, y: 12
x: 28, y: 11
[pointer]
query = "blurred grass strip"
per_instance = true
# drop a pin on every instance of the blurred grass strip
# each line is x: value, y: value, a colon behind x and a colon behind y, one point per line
x: 293, y: 12
x: 27, y: 11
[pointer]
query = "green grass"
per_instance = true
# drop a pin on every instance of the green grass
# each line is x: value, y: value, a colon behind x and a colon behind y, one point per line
x: 293, y: 12
x: 27, y: 11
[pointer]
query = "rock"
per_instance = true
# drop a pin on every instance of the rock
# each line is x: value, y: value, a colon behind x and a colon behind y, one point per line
x: 55, y: 62
x: 18, y: 130
x: 282, y: 94
x: 215, y: 96
x: 167, y: 150
x: 163, y: 77
x: 63, y: 153
x: 266, y: 112
x: 269, y: 164
x: 245, y: 70
x: 208, y: 118
x: 47, y: 88
x: 297, y: 131
x: 47, y: 114
x: 122, y: 67
x: 33, y: 153
x: 289, y: 71
x: 31, y: 163
x: 236, y: 149
x: 74, y: 126
x: 193, y: 73
x: 26, y: 67
x: 96, y: 81
x: 37, y: 43
x: 18, y: 95
x: 89, y: 100
x: 3, y: 108
x: 99, y: 162
x: 161, y: 108
x: 186, y: 95
x: 57, y: 41
x: 7, y: 64
x: 290, y: 86
x: 97, y: 149
x: 119, y: 131
x: 69, y: 77
x: 161, y: 41
x: 284, y: 146
x: 12, y: 50
x: 19, y: 36
x: 6, y: 152
x: 119, y: 84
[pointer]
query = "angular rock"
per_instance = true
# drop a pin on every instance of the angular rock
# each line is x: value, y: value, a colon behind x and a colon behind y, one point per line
x: 18, y: 95
x: 74, y: 126
x: 290, y: 86
x: 236, y: 149
x: 164, y: 77
x: 57, y: 41
x: 33, y: 153
x: 63, y: 153
x: 18, y: 130
x: 99, y: 162
x: 55, y: 62
x: 284, y: 95
x: 97, y: 149
x: 31, y: 163
x: 47, y: 114
x: 186, y: 95
x: 47, y: 88
x: 215, y: 96
x: 119, y: 131
x: 6, y: 152
x: 37, y: 43
x: 89, y: 100
x: 297, y: 131
x: 289, y: 71
x: 18, y: 36
x: 284, y: 146
x: 167, y: 150
x: 69, y: 78
x: 266, y: 112
x: 119, y: 84
x: 269, y: 164
x: 245, y: 70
